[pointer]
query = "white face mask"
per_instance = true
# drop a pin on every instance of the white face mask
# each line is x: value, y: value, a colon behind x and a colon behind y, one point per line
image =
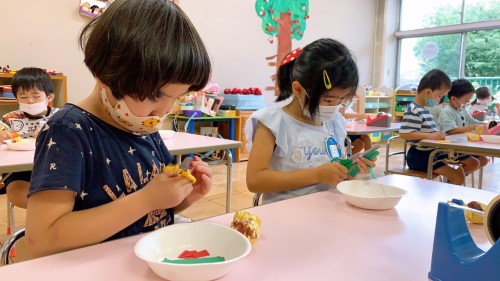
x: 327, y: 112
x: 486, y: 102
x: 33, y: 108
x: 122, y: 115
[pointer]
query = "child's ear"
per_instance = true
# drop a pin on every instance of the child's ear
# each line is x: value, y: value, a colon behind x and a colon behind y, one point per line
x: 50, y: 97
x: 297, y: 89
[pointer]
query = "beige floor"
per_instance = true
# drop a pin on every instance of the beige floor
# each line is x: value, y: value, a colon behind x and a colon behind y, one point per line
x: 214, y: 203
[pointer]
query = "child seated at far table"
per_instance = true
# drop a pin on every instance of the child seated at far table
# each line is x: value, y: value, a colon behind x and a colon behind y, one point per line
x: 358, y: 142
x: 455, y: 118
x: 33, y: 90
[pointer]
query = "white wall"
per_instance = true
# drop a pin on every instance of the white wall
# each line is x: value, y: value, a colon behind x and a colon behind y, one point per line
x: 44, y: 34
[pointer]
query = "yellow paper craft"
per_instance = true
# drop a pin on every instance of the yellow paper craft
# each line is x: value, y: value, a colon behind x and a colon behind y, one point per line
x: 180, y: 172
x: 247, y: 224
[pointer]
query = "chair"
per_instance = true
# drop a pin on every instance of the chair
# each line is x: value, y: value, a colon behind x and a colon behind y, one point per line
x: 5, y: 252
x: 256, y: 199
x: 402, y: 170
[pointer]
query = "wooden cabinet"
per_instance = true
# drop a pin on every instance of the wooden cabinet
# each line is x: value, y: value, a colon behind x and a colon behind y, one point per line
x: 402, y: 100
x: 60, y: 91
x: 241, y: 154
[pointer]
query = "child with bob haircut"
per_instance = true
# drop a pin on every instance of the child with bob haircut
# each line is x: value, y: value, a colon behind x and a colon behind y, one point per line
x: 33, y: 90
x: 292, y: 147
x: 418, y: 124
x: 98, y: 167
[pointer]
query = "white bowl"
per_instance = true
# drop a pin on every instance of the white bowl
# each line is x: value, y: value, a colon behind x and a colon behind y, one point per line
x: 23, y: 144
x: 491, y: 138
x: 169, y: 242
x: 166, y: 134
x: 370, y: 194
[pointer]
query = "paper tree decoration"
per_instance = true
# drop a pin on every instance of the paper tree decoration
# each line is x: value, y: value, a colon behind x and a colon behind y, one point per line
x: 283, y: 19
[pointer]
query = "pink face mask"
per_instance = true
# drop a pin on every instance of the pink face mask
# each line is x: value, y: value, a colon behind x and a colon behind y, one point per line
x: 122, y: 115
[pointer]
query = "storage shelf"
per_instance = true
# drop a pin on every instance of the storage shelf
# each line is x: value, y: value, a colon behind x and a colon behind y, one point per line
x: 60, y: 91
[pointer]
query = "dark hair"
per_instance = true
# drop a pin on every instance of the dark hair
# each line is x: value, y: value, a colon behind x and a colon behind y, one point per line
x: 460, y: 88
x: 138, y: 46
x: 32, y: 77
x: 483, y: 93
x: 434, y: 80
x: 321, y: 55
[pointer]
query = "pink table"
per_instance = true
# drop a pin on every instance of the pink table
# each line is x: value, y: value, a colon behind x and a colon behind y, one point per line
x: 179, y: 144
x: 358, y: 128
x: 313, y: 237
x: 454, y: 148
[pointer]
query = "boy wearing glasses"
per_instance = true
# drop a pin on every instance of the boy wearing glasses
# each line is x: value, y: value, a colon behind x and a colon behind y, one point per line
x: 33, y: 90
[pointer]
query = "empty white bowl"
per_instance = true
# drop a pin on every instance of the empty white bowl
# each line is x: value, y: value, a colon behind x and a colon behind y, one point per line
x: 23, y: 144
x: 370, y: 194
x: 169, y: 242
x: 166, y: 134
x: 491, y: 138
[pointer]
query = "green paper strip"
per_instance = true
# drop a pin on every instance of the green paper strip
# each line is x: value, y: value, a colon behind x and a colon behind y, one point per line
x: 195, y: 261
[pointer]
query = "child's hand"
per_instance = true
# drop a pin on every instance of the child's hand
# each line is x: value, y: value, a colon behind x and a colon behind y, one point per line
x: 364, y: 163
x: 166, y: 190
x: 439, y: 135
x: 203, y: 174
x: 5, y: 135
x: 331, y: 173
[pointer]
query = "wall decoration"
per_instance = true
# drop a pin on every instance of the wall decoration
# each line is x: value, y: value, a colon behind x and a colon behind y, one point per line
x: 285, y: 20
x: 93, y: 8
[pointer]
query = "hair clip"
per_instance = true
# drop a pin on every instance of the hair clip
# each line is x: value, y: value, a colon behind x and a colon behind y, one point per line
x: 291, y: 56
x: 326, y: 80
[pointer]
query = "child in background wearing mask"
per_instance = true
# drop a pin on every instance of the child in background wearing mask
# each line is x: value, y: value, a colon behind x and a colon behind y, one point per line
x: 455, y: 118
x: 291, y: 148
x: 98, y: 168
x: 33, y: 90
x: 358, y: 142
x: 418, y: 124
x: 485, y: 102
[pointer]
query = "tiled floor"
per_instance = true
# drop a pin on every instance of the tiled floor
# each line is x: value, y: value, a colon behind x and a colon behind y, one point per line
x: 214, y: 203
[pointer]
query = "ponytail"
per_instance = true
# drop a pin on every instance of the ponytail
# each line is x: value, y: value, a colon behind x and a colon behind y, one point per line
x: 285, y: 79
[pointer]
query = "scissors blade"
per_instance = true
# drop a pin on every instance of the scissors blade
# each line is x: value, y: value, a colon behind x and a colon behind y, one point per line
x: 185, y: 163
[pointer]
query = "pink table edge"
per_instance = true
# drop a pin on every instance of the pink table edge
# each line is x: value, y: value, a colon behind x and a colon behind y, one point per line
x: 327, y: 238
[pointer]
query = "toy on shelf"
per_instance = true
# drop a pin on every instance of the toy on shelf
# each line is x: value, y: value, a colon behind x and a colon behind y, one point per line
x: 244, y: 99
x: 455, y: 255
x: 382, y: 120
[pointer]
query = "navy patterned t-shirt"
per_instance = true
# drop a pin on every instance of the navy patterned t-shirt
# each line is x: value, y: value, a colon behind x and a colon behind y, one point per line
x: 100, y: 163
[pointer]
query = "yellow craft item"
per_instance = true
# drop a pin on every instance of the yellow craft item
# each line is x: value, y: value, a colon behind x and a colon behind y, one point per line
x: 247, y: 224
x: 180, y: 172
x: 472, y: 136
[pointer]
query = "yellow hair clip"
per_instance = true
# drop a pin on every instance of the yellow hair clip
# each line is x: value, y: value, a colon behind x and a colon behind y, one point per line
x: 326, y: 80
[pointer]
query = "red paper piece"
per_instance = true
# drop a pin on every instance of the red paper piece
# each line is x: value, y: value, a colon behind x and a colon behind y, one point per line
x: 193, y: 254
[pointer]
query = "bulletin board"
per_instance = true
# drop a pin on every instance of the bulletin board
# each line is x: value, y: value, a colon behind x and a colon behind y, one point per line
x: 93, y: 8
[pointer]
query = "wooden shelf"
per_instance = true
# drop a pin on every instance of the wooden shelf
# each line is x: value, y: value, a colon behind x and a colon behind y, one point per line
x: 241, y: 154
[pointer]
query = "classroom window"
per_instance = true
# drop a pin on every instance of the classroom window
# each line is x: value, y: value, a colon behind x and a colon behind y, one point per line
x: 481, y: 10
x: 419, y: 55
x: 461, y: 37
x: 417, y: 14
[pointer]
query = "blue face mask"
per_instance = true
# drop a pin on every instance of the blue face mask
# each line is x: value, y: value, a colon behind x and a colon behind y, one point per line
x: 431, y: 102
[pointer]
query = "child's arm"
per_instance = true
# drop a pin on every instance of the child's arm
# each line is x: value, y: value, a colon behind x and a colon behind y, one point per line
x: 261, y: 179
x: 350, y: 115
x: 52, y: 226
x: 461, y: 130
x: 422, y: 136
